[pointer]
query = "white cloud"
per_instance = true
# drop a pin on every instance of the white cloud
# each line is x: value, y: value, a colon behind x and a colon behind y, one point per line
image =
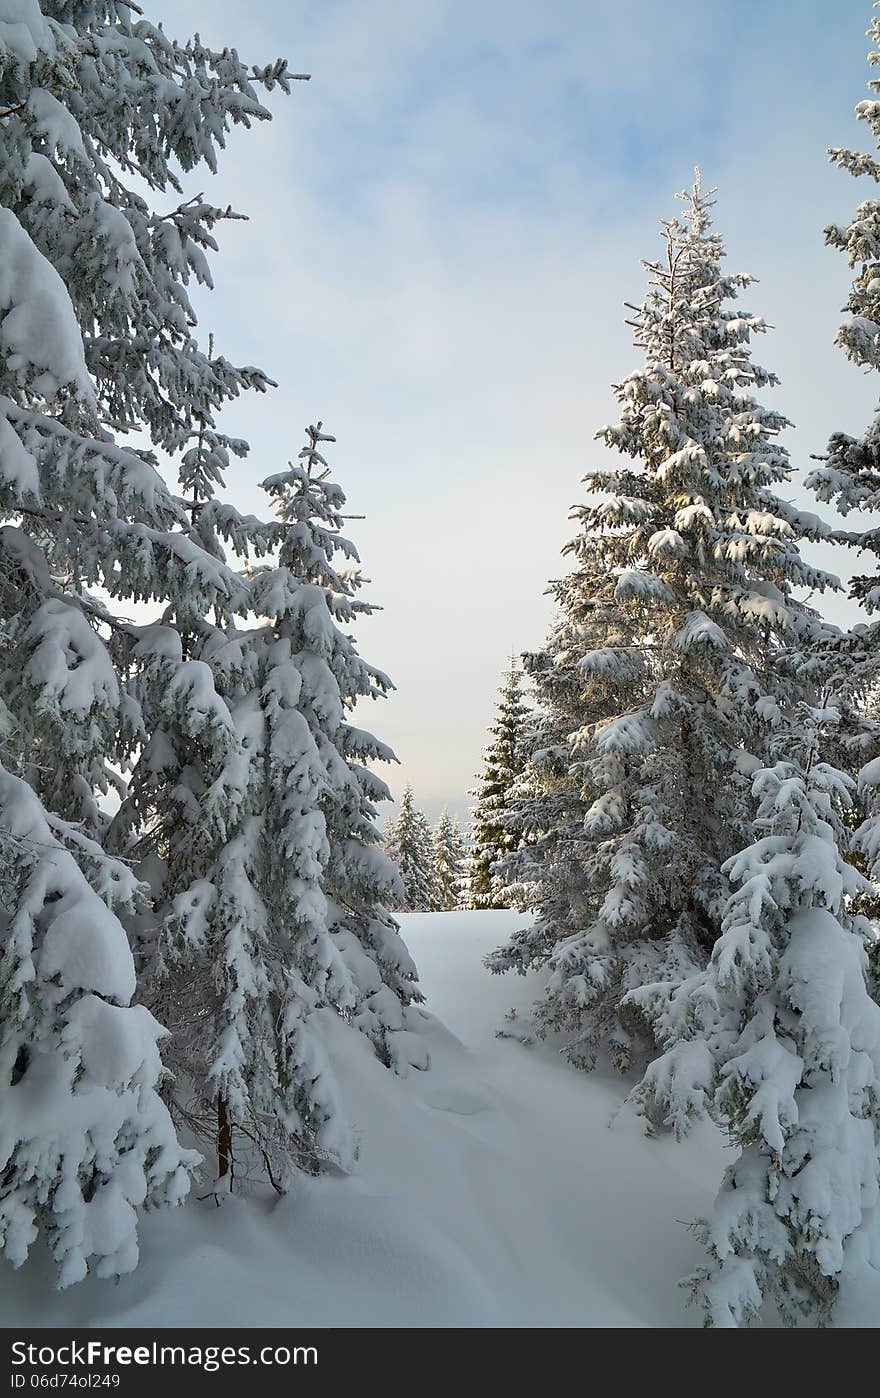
x: 438, y: 271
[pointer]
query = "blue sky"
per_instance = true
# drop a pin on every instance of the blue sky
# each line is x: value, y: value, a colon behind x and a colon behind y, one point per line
x: 445, y: 222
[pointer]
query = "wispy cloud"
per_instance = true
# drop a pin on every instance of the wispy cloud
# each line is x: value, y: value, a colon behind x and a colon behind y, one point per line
x: 445, y: 223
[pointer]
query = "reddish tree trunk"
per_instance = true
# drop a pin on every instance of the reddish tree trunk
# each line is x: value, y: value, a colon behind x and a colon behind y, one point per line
x: 224, y: 1139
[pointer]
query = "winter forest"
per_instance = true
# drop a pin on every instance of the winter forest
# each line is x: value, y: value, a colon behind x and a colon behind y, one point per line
x: 308, y: 1016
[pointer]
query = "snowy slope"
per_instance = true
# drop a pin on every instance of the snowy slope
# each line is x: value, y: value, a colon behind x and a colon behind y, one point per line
x: 490, y: 1191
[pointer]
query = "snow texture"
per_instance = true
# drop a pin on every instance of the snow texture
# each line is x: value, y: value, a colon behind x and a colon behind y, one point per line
x: 491, y: 1191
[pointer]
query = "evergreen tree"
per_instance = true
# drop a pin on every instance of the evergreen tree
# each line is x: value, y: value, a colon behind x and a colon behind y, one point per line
x: 661, y: 667
x: 85, y: 1140
x: 99, y: 110
x: 449, y: 862
x: 408, y: 844
x: 231, y: 773
x: 850, y: 474
x: 98, y: 340
x: 850, y: 471
x: 779, y: 1040
x: 495, y: 830
x: 272, y: 885
x: 360, y: 882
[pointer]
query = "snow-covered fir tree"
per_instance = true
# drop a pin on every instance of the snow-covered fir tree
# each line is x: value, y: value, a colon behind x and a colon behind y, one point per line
x: 274, y: 893
x: 98, y: 340
x: 660, y: 667
x: 85, y: 1139
x: 495, y: 828
x: 849, y: 474
x: 409, y: 845
x: 449, y: 863
x: 850, y: 471
x: 360, y: 883
x: 779, y: 1041
x: 98, y: 111
x: 101, y: 113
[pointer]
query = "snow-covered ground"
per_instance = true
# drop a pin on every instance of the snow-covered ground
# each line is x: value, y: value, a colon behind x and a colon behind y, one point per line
x: 491, y: 1191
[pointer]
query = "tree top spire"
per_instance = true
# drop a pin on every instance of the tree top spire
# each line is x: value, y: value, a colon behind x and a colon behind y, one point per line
x: 698, y: 202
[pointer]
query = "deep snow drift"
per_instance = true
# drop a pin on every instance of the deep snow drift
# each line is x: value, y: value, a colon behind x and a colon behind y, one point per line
x: 490, y: 1191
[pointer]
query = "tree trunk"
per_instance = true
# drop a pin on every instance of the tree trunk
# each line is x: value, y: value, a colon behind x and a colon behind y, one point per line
x: 224, y: 1139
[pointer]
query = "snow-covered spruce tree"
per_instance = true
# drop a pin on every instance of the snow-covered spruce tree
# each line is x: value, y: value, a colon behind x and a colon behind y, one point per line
x: 660, y: 667
x: 781, y: 1046
x: 257, y: 801
x: 96, y: 338
x: 449, y: 862
x: 495, y: 832
x: 408, y: 844
x: 85, y: 1140
x: 360, y: 882
x: 849, y: 474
